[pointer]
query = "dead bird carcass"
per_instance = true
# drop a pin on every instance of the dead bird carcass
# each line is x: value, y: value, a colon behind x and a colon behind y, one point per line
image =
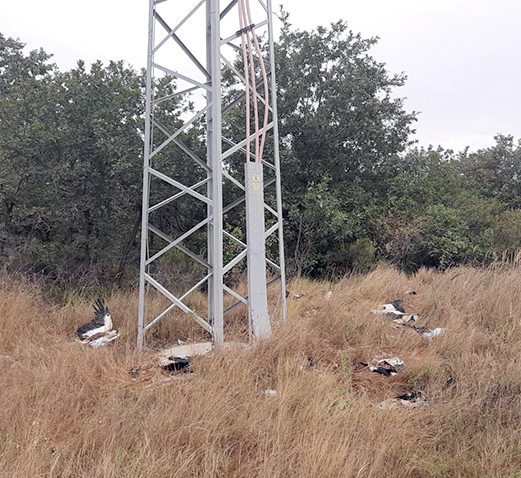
x: 176, y: 363
x: 100, y: 330
x: 393, y: 310
x: 386, y: 367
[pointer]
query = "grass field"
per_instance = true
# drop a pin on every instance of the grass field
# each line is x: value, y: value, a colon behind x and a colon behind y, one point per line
x: 67, y: 410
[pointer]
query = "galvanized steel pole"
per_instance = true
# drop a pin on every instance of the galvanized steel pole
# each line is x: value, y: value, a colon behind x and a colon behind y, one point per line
x: 214, y: 147
x: 146, y: 179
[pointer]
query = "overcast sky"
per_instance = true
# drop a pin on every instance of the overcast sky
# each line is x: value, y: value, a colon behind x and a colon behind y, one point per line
x: 462, y: 57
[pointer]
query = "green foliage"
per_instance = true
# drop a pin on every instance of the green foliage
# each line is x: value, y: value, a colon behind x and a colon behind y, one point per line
x: 338, y: 115
x: 358, y: 256
x: 319, y: 221
x: 71, y: 163
x: 177, y: 271
x: 438, y: 217
x: 506, y: 234
x: 355, y: 192
x: 445, y: 235
x: 495, y: 172
x: 341, y: 129
x: 71, y: 158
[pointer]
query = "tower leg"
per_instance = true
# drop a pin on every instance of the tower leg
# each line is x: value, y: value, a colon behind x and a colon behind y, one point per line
x: 215, y: 229
x: 255, y: 233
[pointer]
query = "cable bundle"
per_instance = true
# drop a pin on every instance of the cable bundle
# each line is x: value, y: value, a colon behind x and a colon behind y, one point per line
x: 247, y: 26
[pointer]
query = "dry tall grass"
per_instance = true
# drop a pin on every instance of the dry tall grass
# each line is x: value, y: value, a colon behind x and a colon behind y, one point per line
x: 71, y: 411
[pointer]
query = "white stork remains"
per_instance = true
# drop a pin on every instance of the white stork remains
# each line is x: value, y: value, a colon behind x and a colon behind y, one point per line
x: 386, y: 367
x: 396, y: 312
x: 99, y: 331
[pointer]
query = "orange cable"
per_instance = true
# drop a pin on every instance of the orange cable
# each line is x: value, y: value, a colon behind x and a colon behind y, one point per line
x: 258, y: 158
x: 246, y: 77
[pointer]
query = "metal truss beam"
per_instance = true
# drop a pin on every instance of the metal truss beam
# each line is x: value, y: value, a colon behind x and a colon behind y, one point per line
x: 177, y: 179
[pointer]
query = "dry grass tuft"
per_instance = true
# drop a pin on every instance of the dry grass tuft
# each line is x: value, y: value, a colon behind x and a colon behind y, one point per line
x: 71, y: 411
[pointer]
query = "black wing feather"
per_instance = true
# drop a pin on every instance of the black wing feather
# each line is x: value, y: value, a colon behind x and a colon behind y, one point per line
x: 410, y: 396
x: 396, y: 305
x: 100, y: 310
x: 178, y: 363
x: 382, y: 370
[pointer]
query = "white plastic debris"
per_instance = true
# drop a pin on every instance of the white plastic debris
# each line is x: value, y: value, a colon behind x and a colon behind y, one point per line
x: 329, y: 294
x: 270, y: 393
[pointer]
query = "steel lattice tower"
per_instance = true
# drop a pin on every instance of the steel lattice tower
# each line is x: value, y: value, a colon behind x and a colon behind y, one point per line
x: 224, y: 218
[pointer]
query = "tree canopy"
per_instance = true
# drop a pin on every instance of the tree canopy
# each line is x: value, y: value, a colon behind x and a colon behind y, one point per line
x: 356, y: 190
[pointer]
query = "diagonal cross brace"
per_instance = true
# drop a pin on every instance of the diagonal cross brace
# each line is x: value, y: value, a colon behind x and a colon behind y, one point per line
x: 179, y: 25
x: 180, y: 186
x: 183, y: 249
x: 179, y: 239
x: 183, y: 147
x: 178, y: 132
x: 182, y: 45
x: 205, y: 325
x: 176, y: 196
x: 238, y: 146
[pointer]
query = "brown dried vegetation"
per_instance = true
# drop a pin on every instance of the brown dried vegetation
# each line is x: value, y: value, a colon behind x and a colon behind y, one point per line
x: 71, y: 411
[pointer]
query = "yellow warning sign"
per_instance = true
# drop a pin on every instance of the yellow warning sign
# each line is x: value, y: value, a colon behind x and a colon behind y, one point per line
x: 256, y: 182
